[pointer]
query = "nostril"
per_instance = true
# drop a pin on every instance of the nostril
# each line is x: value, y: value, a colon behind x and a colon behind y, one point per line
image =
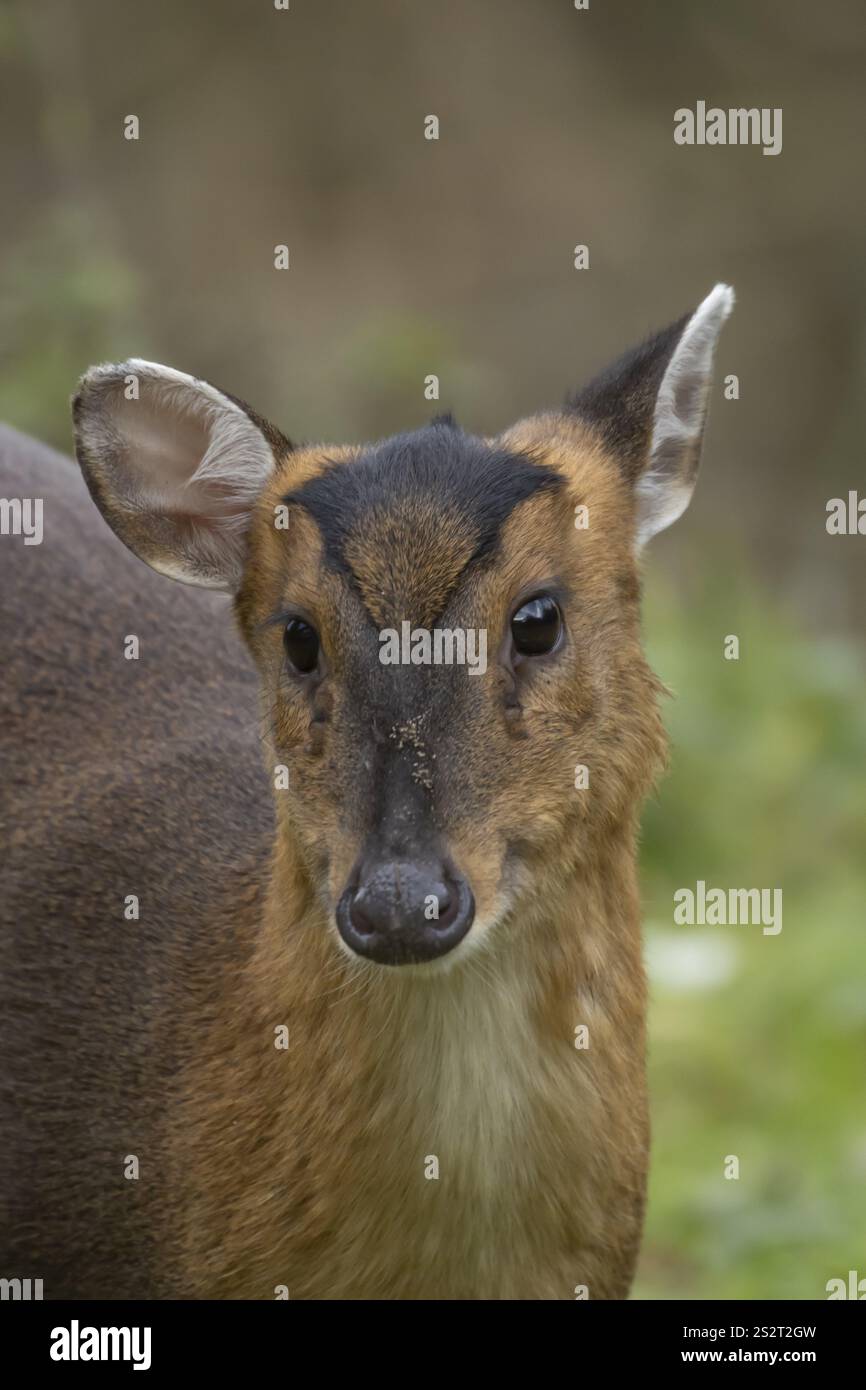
x: 401, y: 911
x: 460, y: 915
x: 362, y: 913
x: 446, y: 906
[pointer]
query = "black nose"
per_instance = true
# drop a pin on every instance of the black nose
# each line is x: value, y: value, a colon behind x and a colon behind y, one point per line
x: 399, y: 912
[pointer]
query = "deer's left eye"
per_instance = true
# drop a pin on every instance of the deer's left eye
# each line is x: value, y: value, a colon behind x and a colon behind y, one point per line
x: 536, y: 626
x: 301, y: 642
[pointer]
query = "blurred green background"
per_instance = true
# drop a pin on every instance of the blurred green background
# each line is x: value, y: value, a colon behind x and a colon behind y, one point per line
x: 757, y: 1043
x: 454, y: 257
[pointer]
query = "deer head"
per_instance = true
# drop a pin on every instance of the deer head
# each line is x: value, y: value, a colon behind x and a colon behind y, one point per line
x: 446, y: 627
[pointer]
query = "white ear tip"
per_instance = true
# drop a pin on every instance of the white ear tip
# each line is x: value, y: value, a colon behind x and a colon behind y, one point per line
x: 719, y: 302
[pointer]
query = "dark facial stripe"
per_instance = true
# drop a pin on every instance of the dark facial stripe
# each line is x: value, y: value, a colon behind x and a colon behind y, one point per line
x: 438, y: 465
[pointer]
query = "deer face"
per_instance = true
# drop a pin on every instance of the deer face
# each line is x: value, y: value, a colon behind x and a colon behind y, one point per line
x: 445, y: 627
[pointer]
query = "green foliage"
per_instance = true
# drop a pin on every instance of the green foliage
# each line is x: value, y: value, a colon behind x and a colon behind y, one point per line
x: 64, y: 301
x: 757, y: 1043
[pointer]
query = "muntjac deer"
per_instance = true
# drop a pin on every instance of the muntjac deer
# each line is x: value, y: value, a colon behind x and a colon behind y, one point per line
x: 362, y: 1018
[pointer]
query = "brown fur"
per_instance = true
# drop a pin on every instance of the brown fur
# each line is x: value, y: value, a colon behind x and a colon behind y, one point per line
x: 308, y: 1169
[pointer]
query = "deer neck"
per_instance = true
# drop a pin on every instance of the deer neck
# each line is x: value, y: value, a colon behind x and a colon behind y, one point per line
x: 569, y: 959
x: 455, y: 1103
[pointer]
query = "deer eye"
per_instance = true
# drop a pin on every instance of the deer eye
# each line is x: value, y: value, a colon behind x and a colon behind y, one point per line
x: 301, y: 642
x: 536, y: 626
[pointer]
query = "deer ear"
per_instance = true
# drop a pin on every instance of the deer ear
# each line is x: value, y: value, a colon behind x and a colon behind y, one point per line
x: 651, y: 407
x: 175, y: 467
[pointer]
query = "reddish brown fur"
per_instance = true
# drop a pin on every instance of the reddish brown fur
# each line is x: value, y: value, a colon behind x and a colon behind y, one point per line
x: 308, y: 1169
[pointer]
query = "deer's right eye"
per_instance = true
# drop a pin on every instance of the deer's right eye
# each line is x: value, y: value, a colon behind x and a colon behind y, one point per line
x: 536, y: 626
x: 301, y: 642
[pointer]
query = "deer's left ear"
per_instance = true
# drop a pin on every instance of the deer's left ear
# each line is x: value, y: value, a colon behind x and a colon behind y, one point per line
x: 651, y: 406
x: 175, y: 466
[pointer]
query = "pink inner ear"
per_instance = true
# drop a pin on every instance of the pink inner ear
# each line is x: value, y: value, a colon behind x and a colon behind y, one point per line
x: 163, y: 444
x: 183, y: 456
x: 175, y: 470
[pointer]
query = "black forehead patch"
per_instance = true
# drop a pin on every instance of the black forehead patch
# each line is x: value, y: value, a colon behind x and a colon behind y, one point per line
x: 440, y: 464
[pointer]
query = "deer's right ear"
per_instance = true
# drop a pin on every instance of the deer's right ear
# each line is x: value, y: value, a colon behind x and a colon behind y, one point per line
x: 650, y: 407
x: 175, y: 467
